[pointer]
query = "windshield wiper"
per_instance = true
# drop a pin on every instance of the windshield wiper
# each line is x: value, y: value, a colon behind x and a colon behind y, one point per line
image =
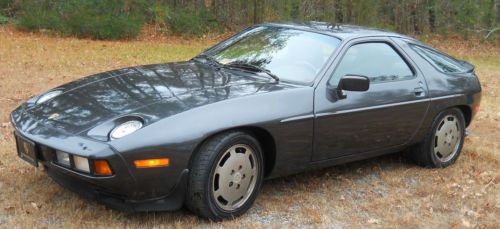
x: 208, y: 58
x: 252, y: 67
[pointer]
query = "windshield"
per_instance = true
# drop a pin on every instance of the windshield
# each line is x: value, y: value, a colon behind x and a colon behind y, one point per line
x: 292, y: 55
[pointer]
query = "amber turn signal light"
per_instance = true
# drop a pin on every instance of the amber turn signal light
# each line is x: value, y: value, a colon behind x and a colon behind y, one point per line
x: 101, y: 167
x: 152, y: 163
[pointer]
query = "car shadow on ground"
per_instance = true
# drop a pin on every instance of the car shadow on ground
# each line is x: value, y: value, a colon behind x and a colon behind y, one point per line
x: 308, y: 182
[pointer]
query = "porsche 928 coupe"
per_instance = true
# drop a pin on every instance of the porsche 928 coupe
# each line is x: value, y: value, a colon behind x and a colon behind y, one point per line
x: 272, y: 100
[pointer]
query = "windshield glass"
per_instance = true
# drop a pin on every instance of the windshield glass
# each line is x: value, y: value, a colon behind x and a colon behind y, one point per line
x: 292, y: 55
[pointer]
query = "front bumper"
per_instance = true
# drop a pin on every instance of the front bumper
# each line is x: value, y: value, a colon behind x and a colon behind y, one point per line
x: 128, y: 189
x: 173, y: 201
x: 119, y: 191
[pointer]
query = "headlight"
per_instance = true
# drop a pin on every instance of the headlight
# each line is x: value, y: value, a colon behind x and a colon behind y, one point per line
x: 125, y: 129
x: 48, y: 96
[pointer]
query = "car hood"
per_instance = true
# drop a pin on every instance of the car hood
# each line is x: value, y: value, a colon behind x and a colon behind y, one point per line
x: 152, y: 92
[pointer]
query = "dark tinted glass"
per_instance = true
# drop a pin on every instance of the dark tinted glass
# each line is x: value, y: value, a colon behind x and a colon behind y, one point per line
x: 292, y: 55
x: 377, y: 61
x: 439, y: 60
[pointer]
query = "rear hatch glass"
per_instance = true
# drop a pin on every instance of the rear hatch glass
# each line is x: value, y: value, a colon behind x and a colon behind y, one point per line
x: 441, y: 61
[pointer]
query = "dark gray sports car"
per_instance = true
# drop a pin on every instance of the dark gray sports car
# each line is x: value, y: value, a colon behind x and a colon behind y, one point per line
x: 273, y: 100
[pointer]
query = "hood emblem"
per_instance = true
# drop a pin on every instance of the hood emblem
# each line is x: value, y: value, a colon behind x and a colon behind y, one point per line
x: 53, y: 116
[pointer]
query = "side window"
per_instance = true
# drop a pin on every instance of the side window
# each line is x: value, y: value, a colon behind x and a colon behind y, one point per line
x: 439, y: 60
x: 377, y: 61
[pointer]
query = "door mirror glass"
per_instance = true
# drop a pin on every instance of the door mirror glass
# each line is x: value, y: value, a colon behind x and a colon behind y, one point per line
x: 354, y: 83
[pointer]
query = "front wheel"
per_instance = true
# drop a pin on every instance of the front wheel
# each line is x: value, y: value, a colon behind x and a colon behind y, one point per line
x: 443, y: 144
x: 226, y: 176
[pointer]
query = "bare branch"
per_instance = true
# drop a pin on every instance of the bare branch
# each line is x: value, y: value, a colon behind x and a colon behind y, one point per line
x: 491, y: 32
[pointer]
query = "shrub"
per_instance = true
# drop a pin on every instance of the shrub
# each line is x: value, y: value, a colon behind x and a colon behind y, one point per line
x: 3, y: 19
x: 157, y: 14
x: 4, y: 4
x: 38, y: 18
x: 110, y: 19
x: 8, y: 8
x: 192, y: 21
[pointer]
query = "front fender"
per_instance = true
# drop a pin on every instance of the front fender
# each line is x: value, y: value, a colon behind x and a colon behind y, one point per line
x: 177, y: 136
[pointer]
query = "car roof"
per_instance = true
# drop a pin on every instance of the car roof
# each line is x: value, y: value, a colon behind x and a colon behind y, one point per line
x: 342, y: 31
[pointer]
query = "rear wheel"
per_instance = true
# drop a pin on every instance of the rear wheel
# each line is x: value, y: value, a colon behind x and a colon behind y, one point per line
x: 226, y: 176
x: 443, y: 144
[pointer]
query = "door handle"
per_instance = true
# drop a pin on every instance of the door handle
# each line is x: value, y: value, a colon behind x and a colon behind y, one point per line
x: 419, y: 92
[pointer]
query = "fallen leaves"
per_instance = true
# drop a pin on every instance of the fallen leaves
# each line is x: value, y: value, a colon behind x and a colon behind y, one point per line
x: 373, y: 221
x: 5, y: 125
x: 36, y: 205
x: 466, y: 223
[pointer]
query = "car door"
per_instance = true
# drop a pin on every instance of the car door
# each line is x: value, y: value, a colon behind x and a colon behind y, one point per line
x: 385, y: 116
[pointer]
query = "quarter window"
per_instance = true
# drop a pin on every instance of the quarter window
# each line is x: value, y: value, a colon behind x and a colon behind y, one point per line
x: 439, y: 60
x: 377, y: 61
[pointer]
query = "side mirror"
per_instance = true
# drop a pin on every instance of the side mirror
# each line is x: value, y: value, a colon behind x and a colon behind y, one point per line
x: 352, y: 83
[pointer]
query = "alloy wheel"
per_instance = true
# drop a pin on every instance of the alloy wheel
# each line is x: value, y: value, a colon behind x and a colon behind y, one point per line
x: 447, y: 138
x: 234, y: 178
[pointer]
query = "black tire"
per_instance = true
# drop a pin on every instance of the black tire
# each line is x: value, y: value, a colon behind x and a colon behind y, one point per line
x: 424, y: 154
x: 199, y: 197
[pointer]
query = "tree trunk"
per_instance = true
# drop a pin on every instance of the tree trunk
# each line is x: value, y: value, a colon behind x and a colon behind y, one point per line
x: 339, y: 15
x: 432, y: 16
x: 255, y: 12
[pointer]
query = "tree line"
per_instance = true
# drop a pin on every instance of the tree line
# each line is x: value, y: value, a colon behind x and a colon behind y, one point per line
x: 464, y: 17
x: 124, y: 18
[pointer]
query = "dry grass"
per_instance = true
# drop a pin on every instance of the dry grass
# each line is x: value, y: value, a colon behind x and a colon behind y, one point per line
x: 383, y: 192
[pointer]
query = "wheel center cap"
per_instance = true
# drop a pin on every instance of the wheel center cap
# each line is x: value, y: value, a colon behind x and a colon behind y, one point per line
x: 448, y: 138
x: 237, y: 178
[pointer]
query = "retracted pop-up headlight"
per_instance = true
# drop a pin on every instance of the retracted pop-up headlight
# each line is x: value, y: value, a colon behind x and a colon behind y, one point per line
x: 48, y: 96
x: 125, y: 129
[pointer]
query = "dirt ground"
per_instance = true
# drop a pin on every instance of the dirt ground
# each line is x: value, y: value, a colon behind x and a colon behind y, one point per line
x: 385, y: 192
